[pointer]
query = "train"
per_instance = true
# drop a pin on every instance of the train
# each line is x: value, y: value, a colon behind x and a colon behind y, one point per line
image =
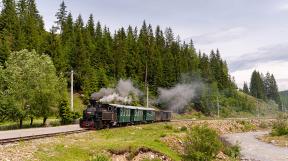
x: 100, y: 115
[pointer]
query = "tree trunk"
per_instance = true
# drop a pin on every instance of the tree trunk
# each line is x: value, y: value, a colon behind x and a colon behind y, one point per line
x: 31, y: 121
x: 21, y: 123
x: 44, y: 120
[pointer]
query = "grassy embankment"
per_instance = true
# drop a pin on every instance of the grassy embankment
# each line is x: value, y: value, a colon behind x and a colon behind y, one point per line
x: 116, y: 140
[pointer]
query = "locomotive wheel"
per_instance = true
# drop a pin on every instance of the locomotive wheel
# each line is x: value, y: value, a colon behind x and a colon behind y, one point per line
x: 98, y: 125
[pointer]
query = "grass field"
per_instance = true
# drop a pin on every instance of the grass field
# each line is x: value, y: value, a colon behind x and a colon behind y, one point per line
x: 163, y: 138
x: 116, y: 140
x: 276, y: 140
x: 10, y: 125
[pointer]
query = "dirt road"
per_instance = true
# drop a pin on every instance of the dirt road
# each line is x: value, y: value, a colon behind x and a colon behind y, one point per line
x: 253, y: 149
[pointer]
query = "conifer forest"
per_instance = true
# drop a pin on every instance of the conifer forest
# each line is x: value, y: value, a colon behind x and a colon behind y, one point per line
x: 36, y: 64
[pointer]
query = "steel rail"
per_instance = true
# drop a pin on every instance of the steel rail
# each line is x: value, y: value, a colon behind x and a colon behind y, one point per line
x: 32, y: 137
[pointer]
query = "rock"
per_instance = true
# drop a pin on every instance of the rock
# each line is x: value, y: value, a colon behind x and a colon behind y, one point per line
x: 221, y: 156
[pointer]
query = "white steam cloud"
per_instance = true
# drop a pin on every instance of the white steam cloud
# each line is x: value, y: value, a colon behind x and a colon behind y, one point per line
x: 178, y: 97
x: 122, y: 93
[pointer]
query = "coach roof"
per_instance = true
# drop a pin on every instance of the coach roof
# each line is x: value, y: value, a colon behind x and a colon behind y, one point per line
x: 133, y: 107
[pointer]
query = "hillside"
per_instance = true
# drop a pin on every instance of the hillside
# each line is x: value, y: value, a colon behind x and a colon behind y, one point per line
x: 267, y: 109
x: 284, y: 99
x: 245, y: 106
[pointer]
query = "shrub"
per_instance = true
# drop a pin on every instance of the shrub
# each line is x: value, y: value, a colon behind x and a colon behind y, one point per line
x: 100, y: 157
x: 183, y: 128
x: 162, y: 135
x: 66, y: 115
x: 201, y: 144
x: 247, y: 126
x: 263, y: 125
x: 232, y: 151
x: 280, y: 127
x: 169, y: 127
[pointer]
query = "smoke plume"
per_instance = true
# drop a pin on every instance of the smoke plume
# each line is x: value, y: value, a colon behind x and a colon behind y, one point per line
x: 179, y: 96
x: 121, y: 94
x: 125, y: 87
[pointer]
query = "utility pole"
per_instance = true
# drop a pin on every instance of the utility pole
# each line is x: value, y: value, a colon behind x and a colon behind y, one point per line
x: 218, y: 111
x: 147, y: 89
x: 71, y: 92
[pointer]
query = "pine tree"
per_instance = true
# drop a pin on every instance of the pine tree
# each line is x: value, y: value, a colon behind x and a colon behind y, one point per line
x: 257, y: 86
x: 9, y: 28
x: 132, y: 54
x: 204, y: 66
x: 89, y: 34
x: 274, y: 90
x: 245, y: 88
x: 80, y: 60
x: 120, y: 54
x: 61, y: 16
x: 35, y: 28
x: 268, y: 86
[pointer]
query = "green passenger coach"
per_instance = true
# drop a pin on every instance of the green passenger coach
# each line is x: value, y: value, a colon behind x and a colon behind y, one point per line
x: 123, y: 115
x: 134, y: 114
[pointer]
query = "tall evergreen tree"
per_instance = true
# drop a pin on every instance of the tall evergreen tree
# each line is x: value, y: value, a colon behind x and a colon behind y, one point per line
x: 61, y: 16
x: 245, y: 88
x: 257, y: 85
x: 9, y: 28
x: 273, y: 93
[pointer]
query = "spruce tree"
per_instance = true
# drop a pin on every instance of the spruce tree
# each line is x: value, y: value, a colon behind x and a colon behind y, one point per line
x: 245, y: 88
x: 9, y: 28
x: 257, y: 85
x: 61, y: 16
x: 274, y: 91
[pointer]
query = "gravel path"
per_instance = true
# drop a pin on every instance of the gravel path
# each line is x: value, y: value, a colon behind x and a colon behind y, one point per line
x: 253, y: 149
x: 37, y: 131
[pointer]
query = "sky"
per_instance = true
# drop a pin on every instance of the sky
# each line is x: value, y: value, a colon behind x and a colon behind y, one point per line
x: 250, y: 34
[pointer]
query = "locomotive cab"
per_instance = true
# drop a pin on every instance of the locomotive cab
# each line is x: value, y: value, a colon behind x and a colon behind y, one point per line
x: 97, y: 116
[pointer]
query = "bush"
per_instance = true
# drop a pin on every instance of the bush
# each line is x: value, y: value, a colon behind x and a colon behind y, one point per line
x: 280, y: 127
x: 66, y: 115
x: 232, y: 151
x: 100, y: 157
x: 247, y: 126
x: 162, y: 135
x: 201, y: 144
x: 183, y: 128
x: 169, y: 127
x: 263, y: 125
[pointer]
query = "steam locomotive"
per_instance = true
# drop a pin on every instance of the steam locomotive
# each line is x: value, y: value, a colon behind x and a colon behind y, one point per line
x: 99, y: 116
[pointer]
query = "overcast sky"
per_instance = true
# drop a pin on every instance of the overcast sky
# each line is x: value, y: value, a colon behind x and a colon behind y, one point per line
x: 250, y: 34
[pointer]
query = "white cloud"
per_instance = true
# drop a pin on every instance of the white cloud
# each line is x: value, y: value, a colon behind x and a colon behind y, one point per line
x: 283, y: 7
x: 278, y: 68
x: 278, y: 52
x: 223, y: 35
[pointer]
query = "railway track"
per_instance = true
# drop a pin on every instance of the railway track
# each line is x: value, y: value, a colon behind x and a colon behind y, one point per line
x: 32, y: 137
